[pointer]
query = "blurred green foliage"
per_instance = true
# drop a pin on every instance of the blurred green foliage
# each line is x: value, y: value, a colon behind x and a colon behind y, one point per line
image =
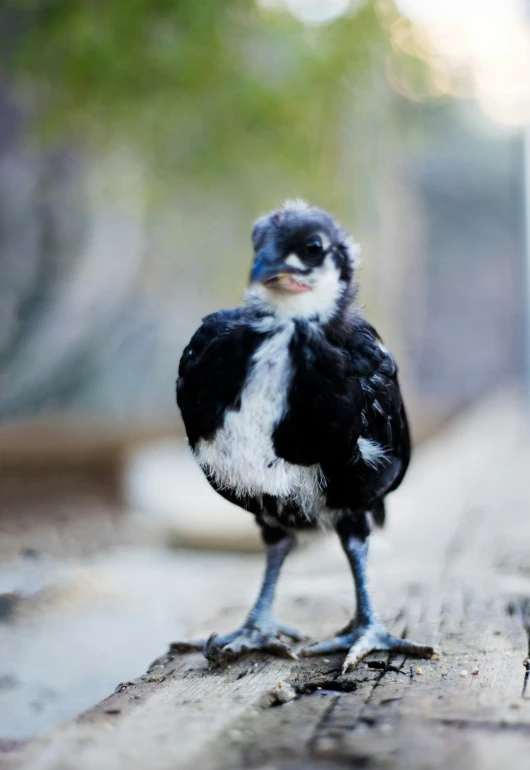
x: 205, y: 88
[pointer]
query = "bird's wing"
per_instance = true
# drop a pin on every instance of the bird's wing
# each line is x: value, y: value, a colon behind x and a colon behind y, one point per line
x: 345, y: 413
x: 383, y: 417
x: 213, y: 369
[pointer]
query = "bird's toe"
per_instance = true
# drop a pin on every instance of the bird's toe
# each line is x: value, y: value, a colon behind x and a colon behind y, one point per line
x: 282, y: 650
x: 337, y: 644
x: 367, y: 642
x: 290, y: 632
x: 187, y: 645
x: 407, y: 647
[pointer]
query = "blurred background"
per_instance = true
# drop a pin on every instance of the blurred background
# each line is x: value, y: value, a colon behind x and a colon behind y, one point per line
x: 138, y: 142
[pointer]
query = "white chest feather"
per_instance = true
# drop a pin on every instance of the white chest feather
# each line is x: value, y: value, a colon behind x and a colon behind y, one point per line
x: 241, y: 455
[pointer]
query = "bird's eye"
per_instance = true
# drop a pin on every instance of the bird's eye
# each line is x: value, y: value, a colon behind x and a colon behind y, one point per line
x: 314, y: 246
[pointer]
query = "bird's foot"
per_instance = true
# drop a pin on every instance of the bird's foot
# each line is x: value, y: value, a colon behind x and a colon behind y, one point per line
x: 363, y: 639
x: 251, y: 637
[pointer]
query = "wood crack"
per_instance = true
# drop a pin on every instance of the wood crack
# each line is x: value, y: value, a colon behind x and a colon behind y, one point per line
x: 321, y: 726
x: 489, y: 725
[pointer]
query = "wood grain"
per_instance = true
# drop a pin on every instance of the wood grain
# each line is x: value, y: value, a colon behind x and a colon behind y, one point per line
x: 456, y: 573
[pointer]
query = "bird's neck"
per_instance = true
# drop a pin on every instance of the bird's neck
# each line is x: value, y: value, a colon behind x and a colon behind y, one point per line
x: 325, y: 305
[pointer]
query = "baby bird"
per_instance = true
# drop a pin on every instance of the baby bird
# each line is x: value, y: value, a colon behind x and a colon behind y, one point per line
x: 293, y: 411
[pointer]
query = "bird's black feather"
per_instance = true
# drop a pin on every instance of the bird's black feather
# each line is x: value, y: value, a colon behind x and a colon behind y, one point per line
x: 213, y: 369
x: 343, y: 387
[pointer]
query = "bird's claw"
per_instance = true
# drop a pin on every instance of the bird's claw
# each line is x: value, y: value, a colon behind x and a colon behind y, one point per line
x: 221, y: 649
x: 364, y: 639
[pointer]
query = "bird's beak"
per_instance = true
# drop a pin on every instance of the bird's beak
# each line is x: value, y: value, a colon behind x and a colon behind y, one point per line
x: 268, y: 266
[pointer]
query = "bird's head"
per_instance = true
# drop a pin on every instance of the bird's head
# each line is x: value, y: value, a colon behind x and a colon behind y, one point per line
x: 303, y: 263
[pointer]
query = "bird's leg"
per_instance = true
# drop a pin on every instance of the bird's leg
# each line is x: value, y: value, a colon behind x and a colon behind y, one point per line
x: 260, y: 631
x: 366, y: 632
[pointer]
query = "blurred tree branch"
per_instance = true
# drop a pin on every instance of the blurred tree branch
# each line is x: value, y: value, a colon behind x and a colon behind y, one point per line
x: 212, y: 106
x: 200, y: 88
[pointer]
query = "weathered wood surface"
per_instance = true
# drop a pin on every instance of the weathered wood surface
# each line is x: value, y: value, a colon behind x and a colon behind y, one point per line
x: 456, y: 574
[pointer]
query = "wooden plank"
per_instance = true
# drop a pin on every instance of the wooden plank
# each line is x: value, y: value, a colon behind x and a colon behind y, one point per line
x: 456, y: 574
